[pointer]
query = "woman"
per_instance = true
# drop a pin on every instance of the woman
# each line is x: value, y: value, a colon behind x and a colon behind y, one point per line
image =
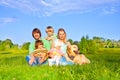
x: 36, y: 33
x: 62, y: 42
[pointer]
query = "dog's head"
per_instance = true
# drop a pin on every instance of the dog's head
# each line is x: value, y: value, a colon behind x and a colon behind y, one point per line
x: 72, y: 50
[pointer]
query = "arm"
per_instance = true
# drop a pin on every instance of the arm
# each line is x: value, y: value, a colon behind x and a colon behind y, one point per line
x: 53, y: 44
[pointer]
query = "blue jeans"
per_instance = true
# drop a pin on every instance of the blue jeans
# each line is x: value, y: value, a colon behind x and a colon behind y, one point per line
x: 36, y: 61
x: 64, y: 62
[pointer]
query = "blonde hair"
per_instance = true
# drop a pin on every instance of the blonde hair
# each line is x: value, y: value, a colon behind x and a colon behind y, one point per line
x: 61, y: 29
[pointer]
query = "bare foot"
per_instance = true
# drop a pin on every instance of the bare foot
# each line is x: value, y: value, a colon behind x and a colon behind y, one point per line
x: 30, y: 62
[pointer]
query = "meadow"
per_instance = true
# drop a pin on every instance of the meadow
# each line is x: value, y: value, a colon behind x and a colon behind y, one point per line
x: 105, y: 65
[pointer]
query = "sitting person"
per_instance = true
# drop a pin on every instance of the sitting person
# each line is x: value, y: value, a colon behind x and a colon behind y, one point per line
x: 36, y: 33
x: 50, y: 34
x: 61, y: 41
x: 54, y: 56
x: 39, y: 53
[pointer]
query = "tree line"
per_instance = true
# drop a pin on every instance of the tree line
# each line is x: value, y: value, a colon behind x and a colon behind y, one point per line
x: 8, y: 45
x: 85, y: 44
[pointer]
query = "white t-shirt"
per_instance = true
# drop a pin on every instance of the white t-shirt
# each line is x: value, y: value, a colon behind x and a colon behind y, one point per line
x: 62, y: 45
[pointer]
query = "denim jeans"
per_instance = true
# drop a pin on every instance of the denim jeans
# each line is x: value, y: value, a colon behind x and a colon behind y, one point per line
x: 36, y: 61
x: 64, y: 62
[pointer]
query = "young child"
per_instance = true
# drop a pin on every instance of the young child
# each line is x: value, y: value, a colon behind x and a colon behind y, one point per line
x: 55, y: 54
x: 50, y: 34
x: 40, y: 53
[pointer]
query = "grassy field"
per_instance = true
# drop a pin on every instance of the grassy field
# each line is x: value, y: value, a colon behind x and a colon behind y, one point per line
x: 105, y: 65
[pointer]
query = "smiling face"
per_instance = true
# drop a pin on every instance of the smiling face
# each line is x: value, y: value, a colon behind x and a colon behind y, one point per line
x: 50, y: 32
x: 38, y: 44
x: 61, y: 35
x: 36, y: 33
x: 36, y: 36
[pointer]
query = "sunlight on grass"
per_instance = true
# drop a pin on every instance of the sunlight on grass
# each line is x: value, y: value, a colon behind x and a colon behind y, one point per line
x: 103, y: 66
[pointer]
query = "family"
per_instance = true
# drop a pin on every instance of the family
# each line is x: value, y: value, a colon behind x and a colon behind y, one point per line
x: 54, y: 49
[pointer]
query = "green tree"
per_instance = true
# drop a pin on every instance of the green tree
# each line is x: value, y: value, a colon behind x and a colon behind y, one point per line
x: 118, y: 44
x: 76, y: 43
x: 92, y: 46
x: 83, y: 45
x: 71, y: 41
x: 1, y: 47
x: 15, y: 47
x: 100, y: 42
x: 87, y: 45
x: 7, y: 44
x: 25, y: 46
x: 109, y: 43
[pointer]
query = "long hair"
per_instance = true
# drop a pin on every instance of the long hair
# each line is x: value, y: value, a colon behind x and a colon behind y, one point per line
x: 61, y: 29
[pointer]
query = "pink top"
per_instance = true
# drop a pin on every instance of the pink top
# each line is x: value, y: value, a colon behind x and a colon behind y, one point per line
x: 54, y: 52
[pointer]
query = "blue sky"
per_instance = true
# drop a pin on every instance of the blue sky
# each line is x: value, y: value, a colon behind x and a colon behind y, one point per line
x: 78, y: 17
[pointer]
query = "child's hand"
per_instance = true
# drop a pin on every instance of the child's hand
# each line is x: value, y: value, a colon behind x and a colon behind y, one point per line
x: 48, y: 38
x: 58, y: 47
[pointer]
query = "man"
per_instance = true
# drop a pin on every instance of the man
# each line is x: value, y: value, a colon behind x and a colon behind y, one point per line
x: 36, y: 33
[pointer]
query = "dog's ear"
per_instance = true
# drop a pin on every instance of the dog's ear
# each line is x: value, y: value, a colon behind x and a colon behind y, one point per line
x: 78, y: 51
x: 68, y: 49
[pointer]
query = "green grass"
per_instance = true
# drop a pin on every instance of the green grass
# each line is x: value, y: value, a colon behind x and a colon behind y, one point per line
x: 105, y: 65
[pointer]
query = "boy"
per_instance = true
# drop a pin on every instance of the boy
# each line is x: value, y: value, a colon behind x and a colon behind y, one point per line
x: 51, y: 36
x: 36, y: 33
x: 40, y: 53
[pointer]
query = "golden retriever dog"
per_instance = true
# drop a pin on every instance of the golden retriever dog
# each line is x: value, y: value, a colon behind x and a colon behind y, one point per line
x: 74, y: 56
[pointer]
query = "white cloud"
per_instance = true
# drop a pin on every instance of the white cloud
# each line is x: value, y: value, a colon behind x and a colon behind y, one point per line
x: 49, y: 7
x: 7, y: 20
x: 111, y: 10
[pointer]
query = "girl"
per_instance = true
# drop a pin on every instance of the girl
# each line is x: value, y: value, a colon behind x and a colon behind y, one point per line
x: 62, y: 42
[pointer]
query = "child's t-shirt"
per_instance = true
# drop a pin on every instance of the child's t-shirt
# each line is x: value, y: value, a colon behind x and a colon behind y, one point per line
x: 32, y: 45
x: 54, y: 36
